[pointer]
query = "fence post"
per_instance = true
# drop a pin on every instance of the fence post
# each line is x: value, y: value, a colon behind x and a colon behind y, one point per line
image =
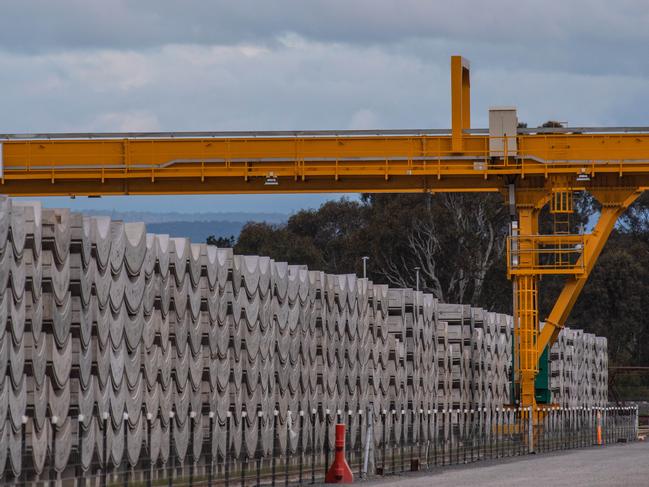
x: 462, y: 434
x: 420, y: 436
x: 435, y: 435
x: 383, y: 444
x: 402, y: 440
x: 313, y: 420
x: 349, y: 442
x: 327, y: 446
x: 451, y: 432
x: 521, y: 430
x: 369, y: 441
x: 619, y: 425
x: 585, y: 426
x: 411, y: 436
x: 507, y: 449
x: 301, y: 446
x: 458, y: 437
x: 393, y: 440
x: 446, y: 428
x: 428, y: 438
x: 505, y: 417
x: 105, y: 449
x: 274, y: 458
x: 192, y: 456
x: 472, y: 423
x: 479, y: 429
x: 573, y: 427
x: 561, y: 428
x: 570, y: 435
x: 149, y: 419
x: 259, y: 450
x: 172, y: 456
x: 228, y: 417
x: 530, y: 431
x: 78, y: 468
x: 358, y: 443
x: 539, y: 419
x: 125, y: 420
x: 54, y: 420
x: 210, y: 452
x: 493, y: 440
x: 482, y: 450
x: 289, y: 422
x: 243, y: 461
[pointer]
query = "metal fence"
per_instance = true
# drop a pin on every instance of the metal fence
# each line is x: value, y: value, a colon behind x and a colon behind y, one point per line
x: 386, y: 443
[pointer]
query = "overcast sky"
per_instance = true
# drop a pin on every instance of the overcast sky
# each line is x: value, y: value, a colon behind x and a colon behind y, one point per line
x: 120, y: 65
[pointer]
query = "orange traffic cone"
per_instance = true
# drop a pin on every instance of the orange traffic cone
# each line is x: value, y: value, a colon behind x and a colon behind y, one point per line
x: 599, y: 427
x: 339, y: 473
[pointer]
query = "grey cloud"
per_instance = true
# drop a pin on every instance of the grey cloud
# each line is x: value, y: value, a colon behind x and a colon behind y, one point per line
x: 45, y: 24
x: 299, y: 85
x: 91, y: 65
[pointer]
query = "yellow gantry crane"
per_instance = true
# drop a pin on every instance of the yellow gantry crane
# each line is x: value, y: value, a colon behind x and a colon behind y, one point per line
x: 529, y: 167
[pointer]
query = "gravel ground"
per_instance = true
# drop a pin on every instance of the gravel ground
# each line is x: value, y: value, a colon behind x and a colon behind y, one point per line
x: 624, y: 465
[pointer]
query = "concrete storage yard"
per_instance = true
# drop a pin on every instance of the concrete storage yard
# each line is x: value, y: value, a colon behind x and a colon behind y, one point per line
x: 124, y: 349
x: 188, y: 189
x: 130, y: 356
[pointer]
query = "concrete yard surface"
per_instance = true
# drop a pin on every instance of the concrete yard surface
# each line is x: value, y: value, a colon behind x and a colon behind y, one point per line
x: 624, y: 465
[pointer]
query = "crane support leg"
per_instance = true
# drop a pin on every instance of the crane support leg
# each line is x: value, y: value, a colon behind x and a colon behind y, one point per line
x: 526, y: 302
x: 525, y: 334
x: 528, y: 261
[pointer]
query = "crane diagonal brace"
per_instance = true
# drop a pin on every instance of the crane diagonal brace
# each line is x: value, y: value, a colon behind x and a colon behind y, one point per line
x: 614, y: 203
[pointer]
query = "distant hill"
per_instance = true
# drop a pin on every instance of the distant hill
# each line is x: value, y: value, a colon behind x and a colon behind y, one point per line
x: 195, y: 226
x: 171, y: 217
x: 197, y: 231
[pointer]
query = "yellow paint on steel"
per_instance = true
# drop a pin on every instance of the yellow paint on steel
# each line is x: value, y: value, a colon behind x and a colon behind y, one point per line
x: 307, y: 164
x: 617, y: 200
x: 460, y: 100
x: 558, y: 254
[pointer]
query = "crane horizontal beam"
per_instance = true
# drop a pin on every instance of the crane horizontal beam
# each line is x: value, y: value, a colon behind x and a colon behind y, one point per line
x: 306, y: 162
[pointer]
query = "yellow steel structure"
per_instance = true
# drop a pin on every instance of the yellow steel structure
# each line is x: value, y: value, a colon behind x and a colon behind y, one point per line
x: 612, y: 164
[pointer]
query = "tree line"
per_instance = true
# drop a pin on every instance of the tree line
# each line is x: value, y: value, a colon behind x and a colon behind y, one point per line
x: 458, y: 243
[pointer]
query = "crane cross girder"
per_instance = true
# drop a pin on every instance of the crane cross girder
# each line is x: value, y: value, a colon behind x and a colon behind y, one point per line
x: 331, y: 159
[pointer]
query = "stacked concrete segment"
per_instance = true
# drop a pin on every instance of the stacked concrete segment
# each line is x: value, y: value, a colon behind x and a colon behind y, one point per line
x: 19, y: 259
x: 118, y: 345
x: 579, y: 369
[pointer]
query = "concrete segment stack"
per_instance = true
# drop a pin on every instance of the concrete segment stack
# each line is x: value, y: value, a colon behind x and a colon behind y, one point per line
x: 579, y: 369
x: 112, y: 336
